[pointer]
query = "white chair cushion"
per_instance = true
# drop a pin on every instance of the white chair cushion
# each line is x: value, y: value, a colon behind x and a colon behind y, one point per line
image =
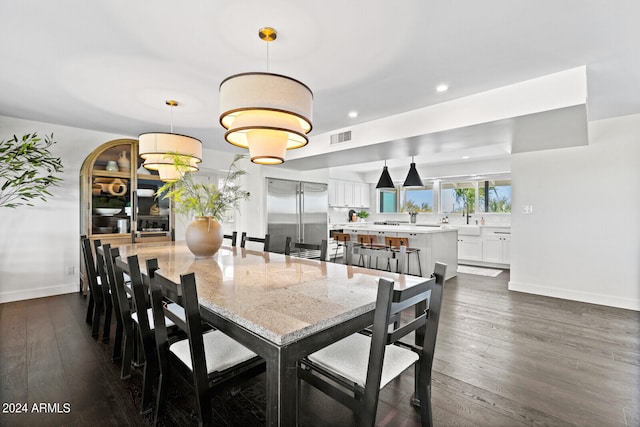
x: 221, y: 352
x: 349, y: 358
x: 173, y: 307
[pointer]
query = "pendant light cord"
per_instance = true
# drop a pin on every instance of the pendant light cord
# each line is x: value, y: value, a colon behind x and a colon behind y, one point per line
x: 267, y: 57
x: 171, y: 116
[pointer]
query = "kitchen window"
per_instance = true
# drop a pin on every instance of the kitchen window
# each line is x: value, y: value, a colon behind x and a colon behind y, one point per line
x: 456, y: 197
x: 417, y: 200
x: 406, y: 200
x: 494, y: 196
x: 388, y: 201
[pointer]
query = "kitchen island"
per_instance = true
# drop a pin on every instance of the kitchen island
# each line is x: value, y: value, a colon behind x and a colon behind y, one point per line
x: 436, y: 244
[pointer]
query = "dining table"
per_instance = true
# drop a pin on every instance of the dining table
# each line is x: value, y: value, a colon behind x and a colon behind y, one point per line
x: 281, y: 307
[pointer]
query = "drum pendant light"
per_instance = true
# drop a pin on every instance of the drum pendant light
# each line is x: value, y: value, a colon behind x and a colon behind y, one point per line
x: 265, y: 112
x: 385, y: 180
x: 157, y: 149
x: 413, y: 178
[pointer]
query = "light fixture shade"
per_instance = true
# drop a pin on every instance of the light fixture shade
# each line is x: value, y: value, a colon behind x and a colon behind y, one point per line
x: 385, y: 180
x: 153, y: 144
x: 262, y: 108
x: 413, y: 178
x: 156, y: 149
x: 267, y: 147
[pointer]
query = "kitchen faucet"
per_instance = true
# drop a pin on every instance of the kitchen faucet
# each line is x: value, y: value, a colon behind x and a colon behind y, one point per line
x: 467, y: 215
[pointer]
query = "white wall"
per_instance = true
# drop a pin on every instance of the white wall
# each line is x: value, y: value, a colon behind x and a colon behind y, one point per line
x: 38, y: 244
x: 582, y: 241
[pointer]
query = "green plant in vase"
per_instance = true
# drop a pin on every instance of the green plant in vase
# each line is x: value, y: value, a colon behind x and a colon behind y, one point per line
x: 362, y: 215
x: 208, y: 203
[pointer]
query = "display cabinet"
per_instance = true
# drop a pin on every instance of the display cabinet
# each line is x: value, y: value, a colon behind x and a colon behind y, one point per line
x: 118, y: 197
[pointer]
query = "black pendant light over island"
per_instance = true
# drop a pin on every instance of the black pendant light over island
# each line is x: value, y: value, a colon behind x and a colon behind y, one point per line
x: 385, y: 180
x: 413, y: 178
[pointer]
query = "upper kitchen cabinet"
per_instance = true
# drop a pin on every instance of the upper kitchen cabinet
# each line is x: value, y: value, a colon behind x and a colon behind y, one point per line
x: 348, y: 194
x: 117, y: 199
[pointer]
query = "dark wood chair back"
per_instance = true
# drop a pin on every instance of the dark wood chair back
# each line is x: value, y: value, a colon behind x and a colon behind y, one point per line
x: 96, y: 305
x: 264, y: 240
x: 233, y: 237
x: 121, y: 295
x: 109, y: 305
x: 141, y: 298
x: 306, y: 250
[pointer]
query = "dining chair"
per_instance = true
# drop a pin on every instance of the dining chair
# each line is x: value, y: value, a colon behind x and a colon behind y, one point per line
x: 143, y: 318
x: 394, y: 243
x: 121, y: 296
x: 96, y: 305
x: 310, y: 249
x: 209, y: 359
x: 233, y: 237
x: 264, y: 240
x: 355, y: 369
x: 341, y: 239
x: 110, y: 302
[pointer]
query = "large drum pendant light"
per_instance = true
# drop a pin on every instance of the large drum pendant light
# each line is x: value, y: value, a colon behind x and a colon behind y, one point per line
x: 265, y: 112
x: 158, y: 149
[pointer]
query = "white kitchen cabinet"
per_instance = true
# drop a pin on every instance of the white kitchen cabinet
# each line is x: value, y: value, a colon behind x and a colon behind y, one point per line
x: 333, y: 192
x: 470, y: 248
x: 337, y: 193
x: 348, y: 194
x: 364, y: 195
x: 497, y: 246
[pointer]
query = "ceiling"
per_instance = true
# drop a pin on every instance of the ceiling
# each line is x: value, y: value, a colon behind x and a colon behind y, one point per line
x: 110, y: 66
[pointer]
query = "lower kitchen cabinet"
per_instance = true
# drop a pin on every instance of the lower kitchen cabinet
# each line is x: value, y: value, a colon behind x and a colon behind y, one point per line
x: 470, y: 248
x: 497, y: 247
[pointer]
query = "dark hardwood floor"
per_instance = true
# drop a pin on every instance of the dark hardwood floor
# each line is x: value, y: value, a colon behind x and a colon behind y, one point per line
x: 502, y: 359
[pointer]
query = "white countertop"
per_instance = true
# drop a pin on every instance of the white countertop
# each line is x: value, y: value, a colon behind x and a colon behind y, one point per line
x: 412, y: 228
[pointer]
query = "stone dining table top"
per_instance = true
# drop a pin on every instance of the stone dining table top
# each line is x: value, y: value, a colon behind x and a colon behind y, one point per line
x: 280, y: 298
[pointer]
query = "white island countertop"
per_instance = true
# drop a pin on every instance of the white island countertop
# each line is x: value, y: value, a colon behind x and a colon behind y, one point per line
x: 414, y: 228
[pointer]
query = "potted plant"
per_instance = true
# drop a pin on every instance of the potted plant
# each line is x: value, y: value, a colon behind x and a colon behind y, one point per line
x: 27, y: 170
x: 206, y: 202
x: 362, y: 215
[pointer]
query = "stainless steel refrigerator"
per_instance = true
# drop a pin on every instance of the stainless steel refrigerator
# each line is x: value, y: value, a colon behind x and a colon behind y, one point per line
x: 297, y: 209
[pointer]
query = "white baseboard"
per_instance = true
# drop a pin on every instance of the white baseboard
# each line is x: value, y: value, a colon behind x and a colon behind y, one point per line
x: 573, y: 295
x: 20, y: 295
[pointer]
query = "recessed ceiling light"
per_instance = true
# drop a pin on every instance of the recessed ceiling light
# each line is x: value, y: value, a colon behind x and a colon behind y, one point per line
x: 353, y: 114
x: 442, y: 87
x: 465, y: 157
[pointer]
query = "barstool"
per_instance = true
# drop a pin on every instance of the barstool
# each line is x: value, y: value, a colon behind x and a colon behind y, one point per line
x: 394, y: 243
x: 369, y: 241
x: 340, y: 237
